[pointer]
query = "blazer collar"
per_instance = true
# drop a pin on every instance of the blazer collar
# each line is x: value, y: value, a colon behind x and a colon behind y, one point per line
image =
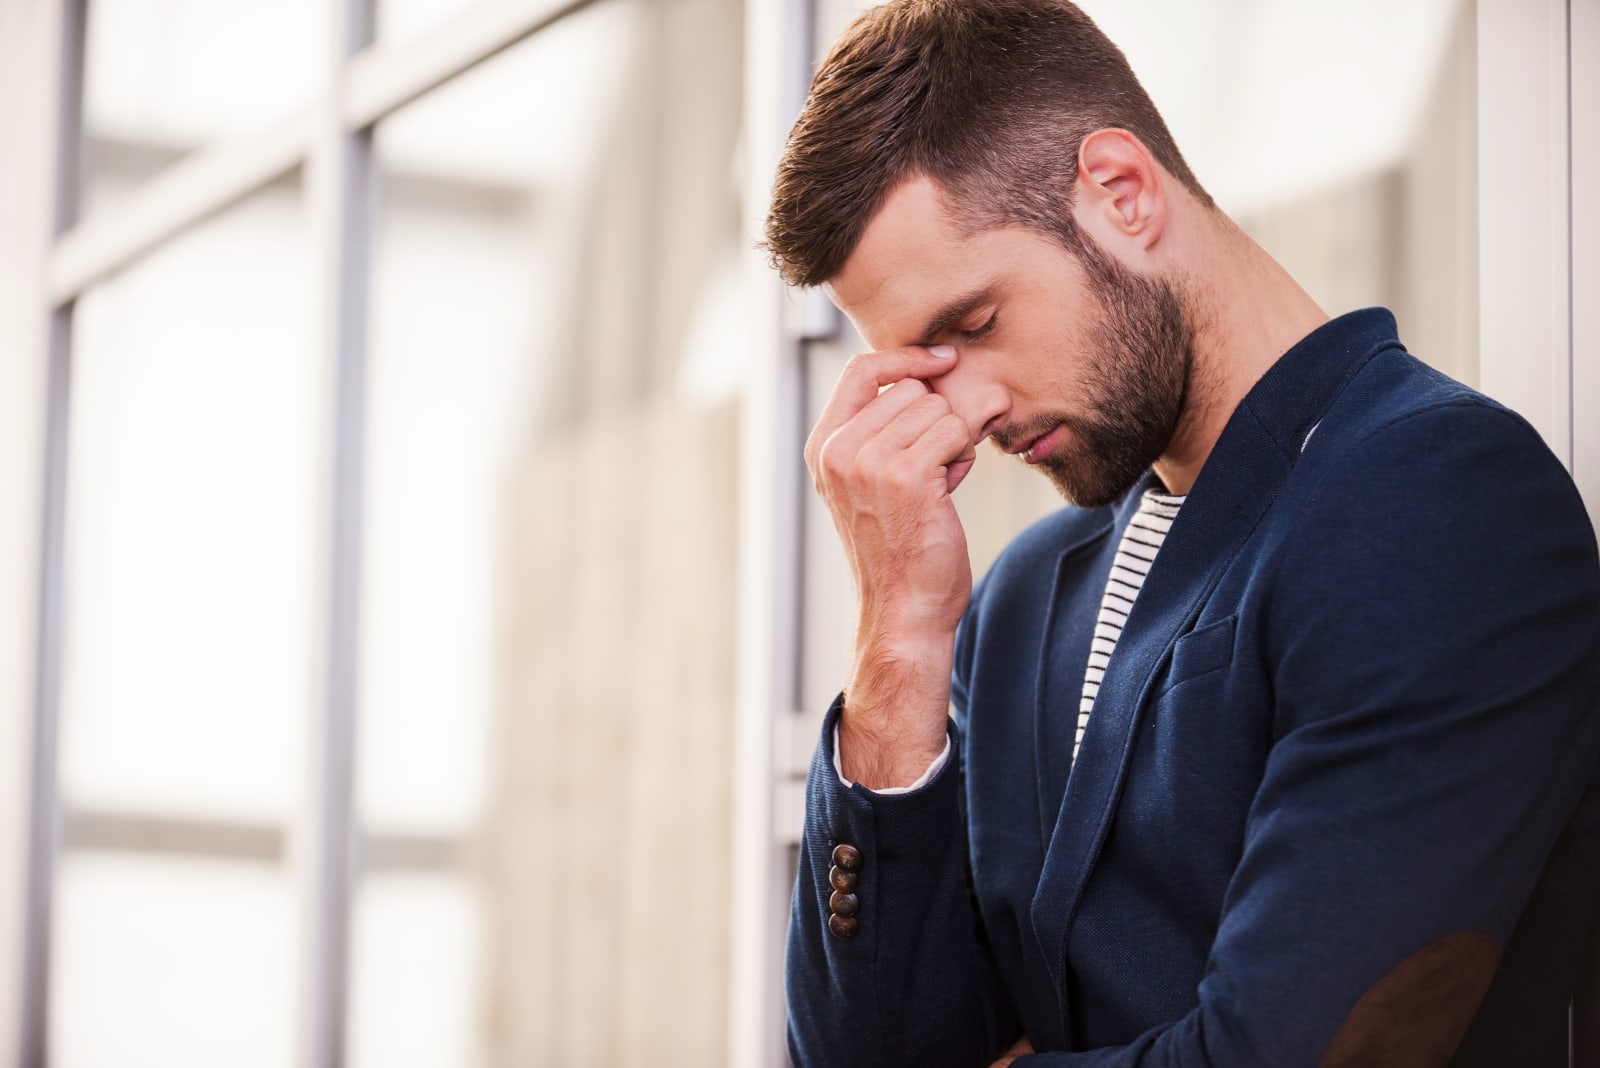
x: 1292, y: 397
x: 1240, y: 479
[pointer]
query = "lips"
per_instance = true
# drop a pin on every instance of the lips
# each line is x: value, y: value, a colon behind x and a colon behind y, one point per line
x: 1040, y: 447
x: 1017, y: 448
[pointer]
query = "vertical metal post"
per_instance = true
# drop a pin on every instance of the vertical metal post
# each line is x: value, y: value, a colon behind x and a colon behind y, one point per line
x: 44, y: 824
x: 778, y: 46
x: 44, y: 815
x: 339, y: 177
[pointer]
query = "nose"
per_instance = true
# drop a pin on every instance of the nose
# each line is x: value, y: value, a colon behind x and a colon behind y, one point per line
x: 981, y: 402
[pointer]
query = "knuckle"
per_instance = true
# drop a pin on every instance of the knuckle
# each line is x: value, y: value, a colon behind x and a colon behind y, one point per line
x: 870, y: 461
x: 831, y: 463
x: 902, y: 472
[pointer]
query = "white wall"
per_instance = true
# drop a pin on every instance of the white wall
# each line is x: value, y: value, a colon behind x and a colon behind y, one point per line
x: 1524, y: 190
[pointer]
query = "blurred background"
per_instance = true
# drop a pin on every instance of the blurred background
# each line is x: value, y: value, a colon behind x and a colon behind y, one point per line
x: 416, y: 626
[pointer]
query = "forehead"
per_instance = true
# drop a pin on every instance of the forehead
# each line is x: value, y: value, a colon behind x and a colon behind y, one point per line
x: 915, y: 257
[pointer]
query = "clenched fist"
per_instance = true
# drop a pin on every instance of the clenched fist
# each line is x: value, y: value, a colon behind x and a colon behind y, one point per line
x: 885, y: 461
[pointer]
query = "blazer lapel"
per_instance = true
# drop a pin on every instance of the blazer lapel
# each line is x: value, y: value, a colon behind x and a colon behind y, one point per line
x: 1257, y: 449
x: 1215, y: 520
x: 1080, y: 568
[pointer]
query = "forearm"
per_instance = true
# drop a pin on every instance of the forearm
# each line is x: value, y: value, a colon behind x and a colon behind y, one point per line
x: 911, y: 983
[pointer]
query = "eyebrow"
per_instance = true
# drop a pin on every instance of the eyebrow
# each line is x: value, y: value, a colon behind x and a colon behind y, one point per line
x: 940, y: 320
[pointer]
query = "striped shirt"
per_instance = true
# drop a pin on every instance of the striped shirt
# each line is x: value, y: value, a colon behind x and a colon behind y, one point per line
x: 1137, y: 550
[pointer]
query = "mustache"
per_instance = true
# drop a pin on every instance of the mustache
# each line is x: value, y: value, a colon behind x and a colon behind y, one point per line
x: 1011, y: 438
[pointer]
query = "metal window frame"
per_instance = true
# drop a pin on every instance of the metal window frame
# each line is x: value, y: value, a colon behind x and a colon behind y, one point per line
x: 778, y: 47
x: 339, y: 175
x: 370, y: 84
x: 44, y: 819
x: 332, y: 140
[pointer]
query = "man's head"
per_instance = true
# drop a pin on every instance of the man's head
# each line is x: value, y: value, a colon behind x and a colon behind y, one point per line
x: 990, y: 98
x: 947, y: 180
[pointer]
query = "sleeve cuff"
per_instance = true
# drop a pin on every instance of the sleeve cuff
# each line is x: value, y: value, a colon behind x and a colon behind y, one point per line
x: 922, y: 780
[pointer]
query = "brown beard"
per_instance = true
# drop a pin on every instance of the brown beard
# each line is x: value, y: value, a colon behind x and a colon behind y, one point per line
x: 1136, y: 387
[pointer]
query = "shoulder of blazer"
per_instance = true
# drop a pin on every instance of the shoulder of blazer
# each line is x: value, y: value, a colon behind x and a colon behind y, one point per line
x: 1384, y: 396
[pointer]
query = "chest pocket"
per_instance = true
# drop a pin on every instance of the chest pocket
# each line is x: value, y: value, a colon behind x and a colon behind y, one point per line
x: 1200, y: 652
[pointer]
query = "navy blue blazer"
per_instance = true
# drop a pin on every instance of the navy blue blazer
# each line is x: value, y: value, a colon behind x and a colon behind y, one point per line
x: 1341, y: 770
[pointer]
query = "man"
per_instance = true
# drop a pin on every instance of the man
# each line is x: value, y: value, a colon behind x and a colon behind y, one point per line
x: 1279, y: 747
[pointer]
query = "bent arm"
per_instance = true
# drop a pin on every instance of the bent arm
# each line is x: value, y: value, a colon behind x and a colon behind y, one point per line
x: 912, y: 983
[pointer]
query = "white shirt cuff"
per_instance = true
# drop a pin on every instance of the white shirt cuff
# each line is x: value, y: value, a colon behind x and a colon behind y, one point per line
x: 922, y: 780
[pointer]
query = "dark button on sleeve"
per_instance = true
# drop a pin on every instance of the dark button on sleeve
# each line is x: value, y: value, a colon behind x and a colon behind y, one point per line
x: 843, y: 903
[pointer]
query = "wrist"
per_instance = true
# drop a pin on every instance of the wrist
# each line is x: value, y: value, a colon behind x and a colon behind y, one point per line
x: 896, y: 710
x: 885, y: 762
x: 900, y: 679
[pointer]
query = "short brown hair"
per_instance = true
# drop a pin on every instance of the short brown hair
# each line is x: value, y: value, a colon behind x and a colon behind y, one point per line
x: 990, y: 98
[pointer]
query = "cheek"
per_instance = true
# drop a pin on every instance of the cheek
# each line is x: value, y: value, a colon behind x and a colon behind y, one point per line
x: 1049, y: 376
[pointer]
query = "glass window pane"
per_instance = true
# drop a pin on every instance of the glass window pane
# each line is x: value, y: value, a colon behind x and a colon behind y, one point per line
x: 414, y: 973
x: 168, y: 963
x: 164, y: 77
x: 193, y: 491
x: 398, y: 19
x: 466, y: 304
x: 547, y: 635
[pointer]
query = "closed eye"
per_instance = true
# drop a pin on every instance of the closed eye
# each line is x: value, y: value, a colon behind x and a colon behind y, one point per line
x: 979, y: 333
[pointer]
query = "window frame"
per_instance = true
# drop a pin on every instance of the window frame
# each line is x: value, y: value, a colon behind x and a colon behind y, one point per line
x: 365, y: 81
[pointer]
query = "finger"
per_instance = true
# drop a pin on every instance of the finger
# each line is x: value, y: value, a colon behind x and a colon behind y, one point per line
x: 882, y: 411
x: 833, y: 458
x: 945, y: 443
x: 894, y: 420
x: 837, y: 459
x: 869, y: 372
x: 955, y: 473
x: 898, y: 436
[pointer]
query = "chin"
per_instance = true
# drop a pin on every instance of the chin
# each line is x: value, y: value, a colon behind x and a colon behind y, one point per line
x: 1100, y: 485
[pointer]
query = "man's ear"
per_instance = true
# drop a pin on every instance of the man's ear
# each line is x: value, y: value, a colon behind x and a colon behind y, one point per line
x: 1120, y: 194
